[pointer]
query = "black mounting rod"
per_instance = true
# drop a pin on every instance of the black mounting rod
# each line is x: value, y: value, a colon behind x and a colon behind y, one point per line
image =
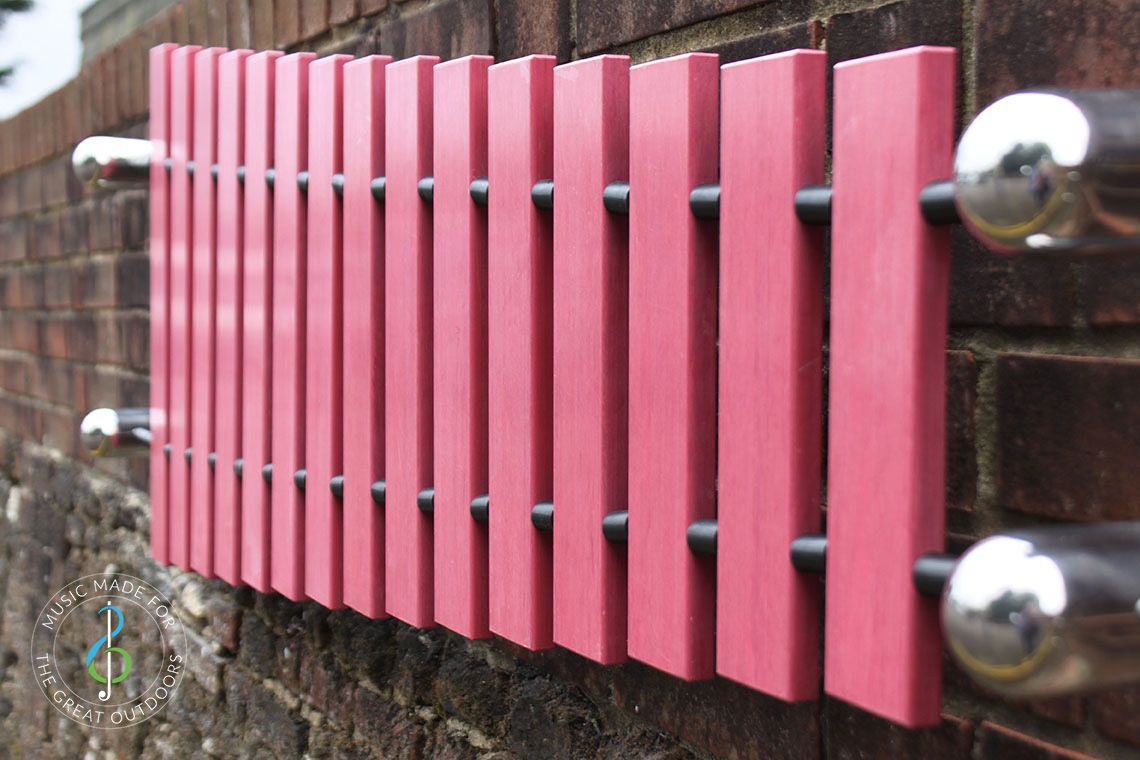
x: 378, y: 489
x: 615, y: 527
x: 336, y: 485
x: 481, y: 509
x: 930, y: 572
x: 701, y: 537
x: 299, y: 478
x: 378, y: 186
x: 480, y: 189
x: 425, y: 500
x: 426, y: 188
x: 338, y: 184
x: 267, y: 473
x: 615, y: 197
x: 704, y: 201
x: 542, y: 194
x: 238, y: 466
x: 936, y: 200
x: 809, y: 553
x: 542, y: 516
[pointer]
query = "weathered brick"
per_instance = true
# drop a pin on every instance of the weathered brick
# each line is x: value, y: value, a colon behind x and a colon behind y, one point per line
x: 132, y: 280
x: 286, y: 23
x: 81, y: 338
x: 59, y: 286
x: 103, y: 223
x: 52, y: 380
x: 261, y: 31
x: 60, y: 428
x: 1110, y: 294
x: 603, y: 23
x: 28, y: 288
x: 961, y: 430
x: 10, y: 183
x: 1001, y: 743
x: 47, y: 238
x: 198, y: 19
x: 1068, y: 436
x: 805, y: 35
x: 30, y: 189
x: 216, y: 30
x: 852, y: 733
x: 14, y: 372
x: 449, y: 30
x: 1067, y: 710
x: 990, y: 288
x: 54, y: 182
x: 1114, y: 713
x: 73, y: 229
x: 238, y: 23
x: 179, y: 24
x: 13, y: 239
x: 314, y: 18
x: 704, y: 713
x: 343, y: 11
x: 533, y: 26
x: 893, y: 27
x: 55, y: 336
x: 94, y: 282
x: 1070, y: 43
x: 135, y: 331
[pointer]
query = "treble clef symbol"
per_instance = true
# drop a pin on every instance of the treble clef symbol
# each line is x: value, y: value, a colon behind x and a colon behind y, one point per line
x: 93, y: 652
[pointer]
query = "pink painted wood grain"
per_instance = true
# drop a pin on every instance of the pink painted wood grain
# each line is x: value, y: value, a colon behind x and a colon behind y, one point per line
x: 520, y: 345
x: 772, y: 143
x: 893, y: 133
x: 257, y: 319
x: 672, y: 362
x: 159, y: 87
x: 363, y: 335
x: 408, y: 341
x: 227, y: 340
x: 459, y: 274
x: 324, y: 570
x: 291, y: 136
x: 591, y: 350
x: 203, y: 311
x: 181, y: 252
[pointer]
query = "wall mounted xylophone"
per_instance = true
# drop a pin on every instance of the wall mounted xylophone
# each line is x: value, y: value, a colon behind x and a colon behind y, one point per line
x: 405, y: 314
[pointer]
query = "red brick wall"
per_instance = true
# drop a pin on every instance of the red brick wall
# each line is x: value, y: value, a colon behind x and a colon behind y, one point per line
x: 1044, y: 415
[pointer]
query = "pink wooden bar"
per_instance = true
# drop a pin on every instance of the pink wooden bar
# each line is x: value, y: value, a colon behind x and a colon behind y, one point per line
x: 181, y: 248
x: 408, y: 341
x: 203, y: 312
x: 889, y: 281
x: 459, y: 276
x: 229, y: 379
x: 363, y: 335
x: 257, y: 319
x: 772, y: 143
x: 287, y: 558
x: 591, y: 346
x: 672, y: 362
x: 323, y: 364
x: 520, y: 329
x: 159, y: 58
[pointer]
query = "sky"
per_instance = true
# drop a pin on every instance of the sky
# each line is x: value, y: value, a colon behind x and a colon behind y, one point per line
x: 44, y: 44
